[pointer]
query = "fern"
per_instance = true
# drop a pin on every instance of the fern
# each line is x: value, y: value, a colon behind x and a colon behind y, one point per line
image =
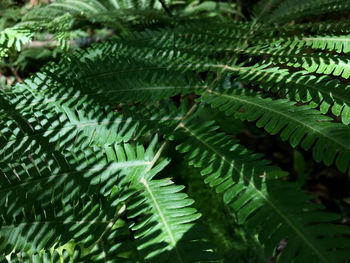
x: 96, y: 149
x: 235, y: 172
x: 299, y: 125
x: 13, y: 38
x: 312, y: 90
x: 293, y: 9
x: 322, y: 63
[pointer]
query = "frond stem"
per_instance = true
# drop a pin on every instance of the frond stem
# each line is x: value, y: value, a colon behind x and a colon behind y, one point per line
x: 165, y: 8
x: 165, y: 143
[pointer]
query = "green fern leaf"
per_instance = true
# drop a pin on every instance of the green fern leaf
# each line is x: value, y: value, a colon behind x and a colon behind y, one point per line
x: 320, y: 63
x: 293, y: 9
x: 300, y: 125
x: 340, y: 44
x: 14, y: 38
x: 168, y: 224
x: 323, y: 27
x: 247, y: 185
x: 326, y: 93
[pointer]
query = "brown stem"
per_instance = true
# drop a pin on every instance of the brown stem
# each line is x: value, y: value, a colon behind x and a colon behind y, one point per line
x: 15, y: 73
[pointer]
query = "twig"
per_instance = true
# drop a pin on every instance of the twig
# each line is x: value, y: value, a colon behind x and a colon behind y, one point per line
x: 165, y: 8
x: 15, y: 73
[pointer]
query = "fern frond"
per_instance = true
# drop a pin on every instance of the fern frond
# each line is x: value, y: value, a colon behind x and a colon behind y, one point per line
x: 115, y: 14
x: 46, y: 202
x: 323, y: 92
x: 108, y: 248
x: 230, y: 238
x: 71, y: 118
x: 237, y: 174
x: 324, y: 27
x: 57, y: 225
x: 293, y: 9
x: 194, y: 36
x: 167, y: 231
x: 87, y: 76
x: 337, y: 43
x: 321, y: 63
x: 59, y: 176
x: 53, y: 206
x: 76, y: 181
x: 14, y: 38
x: 145, y: 80
x: 150, y: 82
x: 116, y: 245
x: 64, y: 128
x: 298, y: 124
x: 42, y: 256
x: 61, y: 216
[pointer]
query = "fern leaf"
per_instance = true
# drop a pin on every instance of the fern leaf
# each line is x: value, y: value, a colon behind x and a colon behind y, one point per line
x: 167, y: 229
x: 324, y: 27
x: 53, y: 204
x: 57, y: 125
x: 110, y: 13
x: 57, y: 176
x: 66, y: 128
x: 116, y: 245
x: 336, y: 65
x: 323, y: 92
x: 293, y: 9
x: 102, y: 216
x: 58, y: 224
x: 14, y: 38
x: 43, y: 256
x: 143, y: 80
x: 339, y: 44
x: 62, y: 216
x: 76, y: 182
x: 237, y: 174
x: 300, y: 125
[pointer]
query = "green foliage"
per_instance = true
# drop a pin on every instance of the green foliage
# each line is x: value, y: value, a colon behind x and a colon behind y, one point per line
x: 129, y: 150
x: 293, y: 9
x: 299, y: 125
x: 13, y: 38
